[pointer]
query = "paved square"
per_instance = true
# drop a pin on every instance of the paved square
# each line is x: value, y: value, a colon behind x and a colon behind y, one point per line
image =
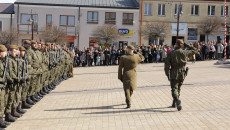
x: 94, y: 99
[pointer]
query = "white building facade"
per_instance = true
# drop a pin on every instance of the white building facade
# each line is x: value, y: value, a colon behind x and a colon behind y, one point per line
x: 6, y: 16
x: 78, y: 20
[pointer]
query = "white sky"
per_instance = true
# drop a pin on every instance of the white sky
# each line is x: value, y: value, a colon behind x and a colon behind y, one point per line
x: 7, y: 1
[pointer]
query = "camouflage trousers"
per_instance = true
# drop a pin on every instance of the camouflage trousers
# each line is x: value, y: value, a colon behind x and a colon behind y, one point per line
x: 33, y: 85
x: 25, y: 91
x: 176, y: 87
x: 2, y: 102
x: 18, y: 96
x: 11, y: 98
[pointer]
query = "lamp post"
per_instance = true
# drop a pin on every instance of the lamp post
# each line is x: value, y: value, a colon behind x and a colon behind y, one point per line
x: 179, y: 12
x: 31, y: 21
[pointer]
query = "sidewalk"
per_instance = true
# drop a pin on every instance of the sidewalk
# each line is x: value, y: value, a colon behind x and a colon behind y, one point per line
x: 94, y: 99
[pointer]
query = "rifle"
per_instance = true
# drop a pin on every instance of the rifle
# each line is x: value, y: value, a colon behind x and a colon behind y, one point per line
x: 7, y: 61
x: 5, y: 71
x: 186, y: 71
x: 25, y: 69
x: 50, y: 67
x: 18, y: 69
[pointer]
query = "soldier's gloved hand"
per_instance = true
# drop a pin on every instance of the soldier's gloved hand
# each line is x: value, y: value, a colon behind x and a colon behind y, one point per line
x: 28, y: 79
x: 186, y: 45
x: 22, y: 81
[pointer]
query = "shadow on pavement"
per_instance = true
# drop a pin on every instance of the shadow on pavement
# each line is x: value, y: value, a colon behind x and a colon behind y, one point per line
x: 112, y: 107
x: 87, y: 108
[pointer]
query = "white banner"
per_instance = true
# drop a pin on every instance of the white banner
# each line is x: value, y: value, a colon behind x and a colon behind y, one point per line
x: 182, y: 28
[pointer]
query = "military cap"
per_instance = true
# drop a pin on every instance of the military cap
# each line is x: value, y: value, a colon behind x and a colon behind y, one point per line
x: 3, y: 48
x: 42, y: 43
x: 14, y: 47
x: 27, y: 42
x: 179, y: 42
x: 33, y: 42
x: 22, y: 48
x: 131, y: 47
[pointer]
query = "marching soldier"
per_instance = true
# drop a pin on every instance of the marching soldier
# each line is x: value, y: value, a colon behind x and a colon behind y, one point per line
x: 127, y: 72
x: 175, y: 69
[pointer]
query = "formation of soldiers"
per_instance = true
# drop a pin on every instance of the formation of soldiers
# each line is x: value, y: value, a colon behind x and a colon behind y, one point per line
x: 28, y: 73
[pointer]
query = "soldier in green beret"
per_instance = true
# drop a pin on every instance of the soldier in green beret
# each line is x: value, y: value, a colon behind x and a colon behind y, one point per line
x: 175, y: 69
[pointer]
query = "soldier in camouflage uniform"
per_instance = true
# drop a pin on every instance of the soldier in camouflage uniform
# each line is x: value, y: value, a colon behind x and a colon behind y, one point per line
x: 13, y: 71
x: 4, y: 78
x: 175, y: 69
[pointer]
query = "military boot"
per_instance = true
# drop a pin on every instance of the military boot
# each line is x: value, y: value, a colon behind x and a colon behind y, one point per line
x: 128, y: 106
x: 15, y: 113
x: 178, y: 104
x: 42, y: 92
x: 20, y: 110
x: 9, y: 118
x: 29, y: 101
x: 2, y: 123
x: 25, y: 105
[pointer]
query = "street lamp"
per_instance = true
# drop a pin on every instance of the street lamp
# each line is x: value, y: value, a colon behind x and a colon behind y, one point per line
x: 179, y: 13
x: 31, y: 21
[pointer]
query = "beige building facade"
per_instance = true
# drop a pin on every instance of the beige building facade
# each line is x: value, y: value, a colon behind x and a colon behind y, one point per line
x: 193, y: 11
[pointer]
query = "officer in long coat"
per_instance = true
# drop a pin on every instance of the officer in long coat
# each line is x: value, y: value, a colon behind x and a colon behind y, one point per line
x: 127, y: 72
x: 175, y: 69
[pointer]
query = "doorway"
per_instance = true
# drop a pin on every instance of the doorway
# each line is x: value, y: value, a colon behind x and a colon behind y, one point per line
x: 202, y: 38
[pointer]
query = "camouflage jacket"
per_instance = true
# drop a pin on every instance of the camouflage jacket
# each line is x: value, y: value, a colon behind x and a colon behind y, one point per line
x: 176, y: 61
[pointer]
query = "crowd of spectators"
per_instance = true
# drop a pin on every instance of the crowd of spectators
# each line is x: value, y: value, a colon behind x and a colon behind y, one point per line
x: 153, y: 54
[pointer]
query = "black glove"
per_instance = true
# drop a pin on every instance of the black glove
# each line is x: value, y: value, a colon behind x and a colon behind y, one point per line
x: 22, y: 81
x: 186, y: 45
x: 28, y: 79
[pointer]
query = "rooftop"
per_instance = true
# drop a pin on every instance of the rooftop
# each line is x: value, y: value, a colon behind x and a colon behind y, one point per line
x: 6, y: 8
x: 127, y: 4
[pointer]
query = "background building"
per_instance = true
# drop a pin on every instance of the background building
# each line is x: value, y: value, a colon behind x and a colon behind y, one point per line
x: 6, y: 16
x: 193, y: 12
x: 79, y: 19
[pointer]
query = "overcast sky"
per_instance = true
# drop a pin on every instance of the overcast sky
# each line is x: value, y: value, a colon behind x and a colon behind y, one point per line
x: 7, y: 1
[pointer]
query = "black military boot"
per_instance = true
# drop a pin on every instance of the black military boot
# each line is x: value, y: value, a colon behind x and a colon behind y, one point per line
x: 9, y: 118
x: 40, y: 95
x: 178, y: 104
x: 43, y: 92
x: 25, y: 105
x: 174, y: 103
x: 20, y: 110
x: 34, y: 98
x: 2, y: 123
x: 15, y: 113
x: 128, y: 106
x: 30, y: 101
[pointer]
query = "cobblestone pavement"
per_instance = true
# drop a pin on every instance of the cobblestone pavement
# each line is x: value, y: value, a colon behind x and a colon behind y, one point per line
x: 94, y: 99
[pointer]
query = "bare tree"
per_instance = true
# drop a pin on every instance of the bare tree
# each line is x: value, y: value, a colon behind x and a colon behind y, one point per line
x: 153, y: 31
x: 108, y: 33
x: 7, y: 37
x: 210, y: 25
x: 54, y: 34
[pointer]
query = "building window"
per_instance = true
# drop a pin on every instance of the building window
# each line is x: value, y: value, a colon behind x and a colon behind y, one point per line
x: 223, y: 10
x: 192, y: 33
x: 211, y: 10
x: 110, y: 18
x: 147, y: 9
x: 128, y: 18
x: 0, y: 26
x: 25, y: 18
x: 177, y: 6
x: 49, y: 20
x: 195, y: 10
x: 161, y: 9
x: 67, y: 20
x: 92, y: 17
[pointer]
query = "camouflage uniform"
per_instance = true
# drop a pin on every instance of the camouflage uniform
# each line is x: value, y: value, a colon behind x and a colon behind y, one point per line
x: 175, y: 69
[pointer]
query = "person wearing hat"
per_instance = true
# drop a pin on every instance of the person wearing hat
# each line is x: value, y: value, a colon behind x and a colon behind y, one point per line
x: 3, y: 84
x: 23, y: 89
x: 127, y: 72
x: 175, y: 69
x: 10, y: 107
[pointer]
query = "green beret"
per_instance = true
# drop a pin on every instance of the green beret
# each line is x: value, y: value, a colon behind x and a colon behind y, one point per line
x: 14, y: 47
x: 3, y: 48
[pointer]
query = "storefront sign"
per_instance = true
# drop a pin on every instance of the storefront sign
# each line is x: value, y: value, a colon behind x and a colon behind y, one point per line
x: 126, y: 32
x: 182, y: 28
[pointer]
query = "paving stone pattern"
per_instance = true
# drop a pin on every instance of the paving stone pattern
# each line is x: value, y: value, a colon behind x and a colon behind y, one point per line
x: 94, y: 100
